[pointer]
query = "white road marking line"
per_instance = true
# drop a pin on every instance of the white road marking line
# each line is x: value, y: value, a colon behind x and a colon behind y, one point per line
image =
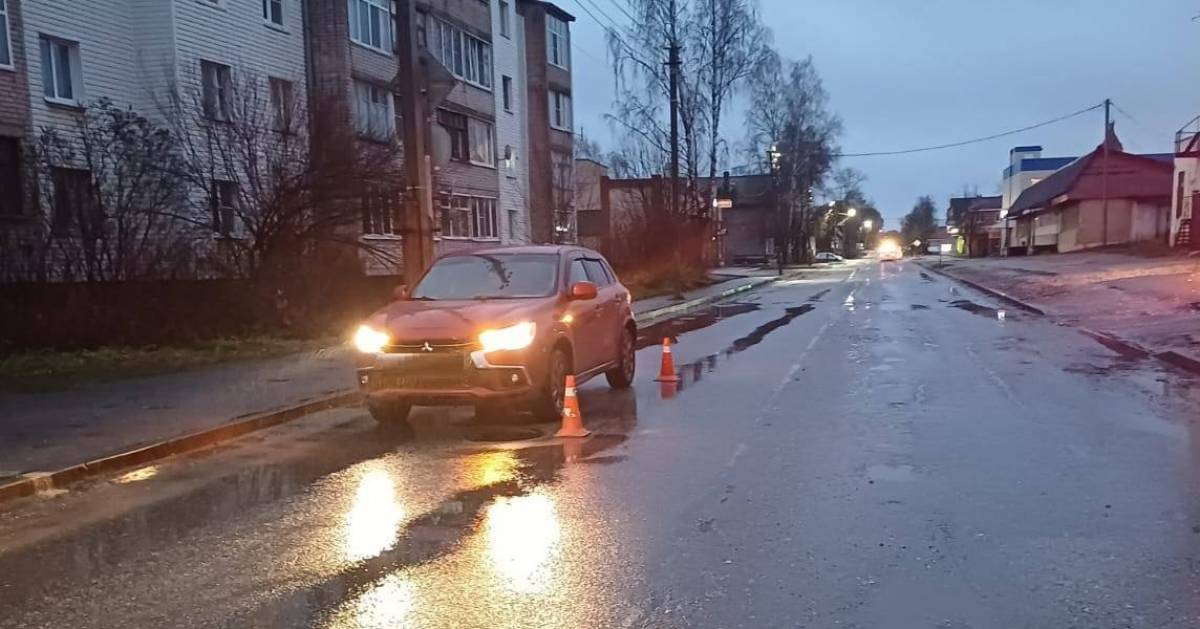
x: 741, y: 447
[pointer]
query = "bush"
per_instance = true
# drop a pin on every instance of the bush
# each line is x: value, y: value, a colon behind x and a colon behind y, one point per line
x: 672, y: 278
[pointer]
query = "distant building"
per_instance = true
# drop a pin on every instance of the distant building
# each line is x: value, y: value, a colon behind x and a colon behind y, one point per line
x: 980, y: 227
x: 1095, y: 201
x: 1026, y: 167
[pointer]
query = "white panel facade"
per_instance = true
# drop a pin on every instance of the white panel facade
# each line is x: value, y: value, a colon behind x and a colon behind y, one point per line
x: 511, y: 145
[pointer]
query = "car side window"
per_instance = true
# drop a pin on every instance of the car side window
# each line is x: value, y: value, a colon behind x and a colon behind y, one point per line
x: 578, y: 273
x: 612, y: 275
x: 596, y: 272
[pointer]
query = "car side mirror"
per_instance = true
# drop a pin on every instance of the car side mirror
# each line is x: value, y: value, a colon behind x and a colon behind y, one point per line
x: 400, y: 293
x: 583, y: 291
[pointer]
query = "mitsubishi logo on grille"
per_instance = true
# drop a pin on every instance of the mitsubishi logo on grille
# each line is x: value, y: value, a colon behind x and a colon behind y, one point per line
x: 426, y: 347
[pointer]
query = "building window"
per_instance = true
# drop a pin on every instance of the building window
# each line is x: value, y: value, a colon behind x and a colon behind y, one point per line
x: 506, y: 86
x: 465, y: 56
x: 470, y: 217
x: 482, y: 138
x: 273, y: 11
x: 512, y: 225
x: 456, y: 218
x: 558, y: 43
x: 74, y: 203
x: 282, y: 104
x: 6, y: 59
x: 222, y: 203
x: 380, y: 215
x: 456, y: 125
x: 371, y: 23
x: 504, y: 25
x: 60, y: 70
x: 11, y: 191
x: 374, y: 111
x: 483, y: 211
x: 560, y: 111
x: 216, y: 83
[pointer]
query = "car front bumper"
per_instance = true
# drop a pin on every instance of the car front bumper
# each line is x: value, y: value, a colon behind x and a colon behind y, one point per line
x: 436, y: 380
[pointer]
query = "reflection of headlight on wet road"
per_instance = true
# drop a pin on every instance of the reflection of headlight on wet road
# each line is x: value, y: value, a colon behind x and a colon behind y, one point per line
x: 388, y: 604
x: 374, y: 519
x: 368, y: 340
x: 523, y: 540
x: 513, y: 337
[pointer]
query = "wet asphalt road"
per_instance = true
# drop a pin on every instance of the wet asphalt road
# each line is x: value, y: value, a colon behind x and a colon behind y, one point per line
x: 867, y: 447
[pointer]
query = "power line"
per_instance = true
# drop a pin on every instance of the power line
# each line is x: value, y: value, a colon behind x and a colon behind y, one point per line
x: 599, y: 10
x: 621, y: 7
x: 974, y: 140
x: 612, y: 30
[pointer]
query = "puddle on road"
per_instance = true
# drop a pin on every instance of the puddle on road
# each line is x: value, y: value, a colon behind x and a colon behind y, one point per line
x: 925, y: 276
x: 688, y: 322
x: 998, y: 314
x: 695, y: 371
x: 818, y: 296
x: 918, y: 307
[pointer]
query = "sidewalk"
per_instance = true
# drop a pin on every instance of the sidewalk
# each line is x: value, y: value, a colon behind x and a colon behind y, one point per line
x: 47, y: 431
x: 1152, y: 302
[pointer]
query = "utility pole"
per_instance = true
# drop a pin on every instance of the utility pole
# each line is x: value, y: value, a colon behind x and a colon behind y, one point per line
x: 1104, y: 169
x: 418, y: 202
x: 673, y: 67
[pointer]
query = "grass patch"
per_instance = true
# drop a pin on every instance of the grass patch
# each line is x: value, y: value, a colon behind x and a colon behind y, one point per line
x: 33, y: 371
x: 674, y: 279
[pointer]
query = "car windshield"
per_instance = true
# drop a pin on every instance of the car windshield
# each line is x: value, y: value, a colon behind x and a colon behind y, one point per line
x: 492, y: 276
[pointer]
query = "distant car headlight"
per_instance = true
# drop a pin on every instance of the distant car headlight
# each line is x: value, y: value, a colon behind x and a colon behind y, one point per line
x: 513, y: 337
x: 368, y: 340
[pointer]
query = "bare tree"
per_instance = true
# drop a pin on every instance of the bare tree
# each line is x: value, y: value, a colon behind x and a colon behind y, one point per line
x: 733, y: 42
x: 790, y: 120
x: 269, y: 191
x: 109, y: 182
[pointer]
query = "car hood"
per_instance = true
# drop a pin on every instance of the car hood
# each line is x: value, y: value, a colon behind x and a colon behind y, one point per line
x: 416, y: 320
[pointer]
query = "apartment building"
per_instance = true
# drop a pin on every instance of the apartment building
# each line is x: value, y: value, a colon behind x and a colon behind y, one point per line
x: 457, y: 34
x: 499, y: 118
x: 14, y: 112
x: 549, y: 121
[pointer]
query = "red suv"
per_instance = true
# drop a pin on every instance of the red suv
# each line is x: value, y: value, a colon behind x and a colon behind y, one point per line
x: 501, y: 329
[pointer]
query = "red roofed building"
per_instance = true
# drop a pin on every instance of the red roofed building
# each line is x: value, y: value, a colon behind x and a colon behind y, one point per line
x: 1094, y: 201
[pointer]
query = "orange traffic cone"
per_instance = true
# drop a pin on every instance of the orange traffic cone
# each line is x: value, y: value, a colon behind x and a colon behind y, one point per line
x: 572, y: 418
x: 666, y: 373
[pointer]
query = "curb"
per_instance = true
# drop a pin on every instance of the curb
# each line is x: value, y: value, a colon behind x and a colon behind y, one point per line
x: 44, y: 481
x: 1182, y: 361
x: 1107, y: 339
x: 998, y: 294
x: 651, y: 315
x: 1117, y: 344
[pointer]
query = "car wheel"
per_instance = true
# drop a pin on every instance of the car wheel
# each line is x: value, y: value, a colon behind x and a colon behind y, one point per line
x: 389, y: 413
x: 549, y: 403
x: 621, y: 376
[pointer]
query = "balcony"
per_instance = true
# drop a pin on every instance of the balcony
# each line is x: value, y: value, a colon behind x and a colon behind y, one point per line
x: 1186, y: 139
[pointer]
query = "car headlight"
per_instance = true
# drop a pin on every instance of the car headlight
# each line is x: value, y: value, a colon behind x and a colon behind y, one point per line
x: 513, y: 337
x: 368, y: 340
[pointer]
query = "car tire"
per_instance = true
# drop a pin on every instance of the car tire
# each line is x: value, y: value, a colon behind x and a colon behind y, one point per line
x: 621, y: 376
x: 548, y: 404
x: 389, y: 413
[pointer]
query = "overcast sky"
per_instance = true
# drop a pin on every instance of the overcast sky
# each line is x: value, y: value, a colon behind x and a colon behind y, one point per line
x: 911, y: 73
